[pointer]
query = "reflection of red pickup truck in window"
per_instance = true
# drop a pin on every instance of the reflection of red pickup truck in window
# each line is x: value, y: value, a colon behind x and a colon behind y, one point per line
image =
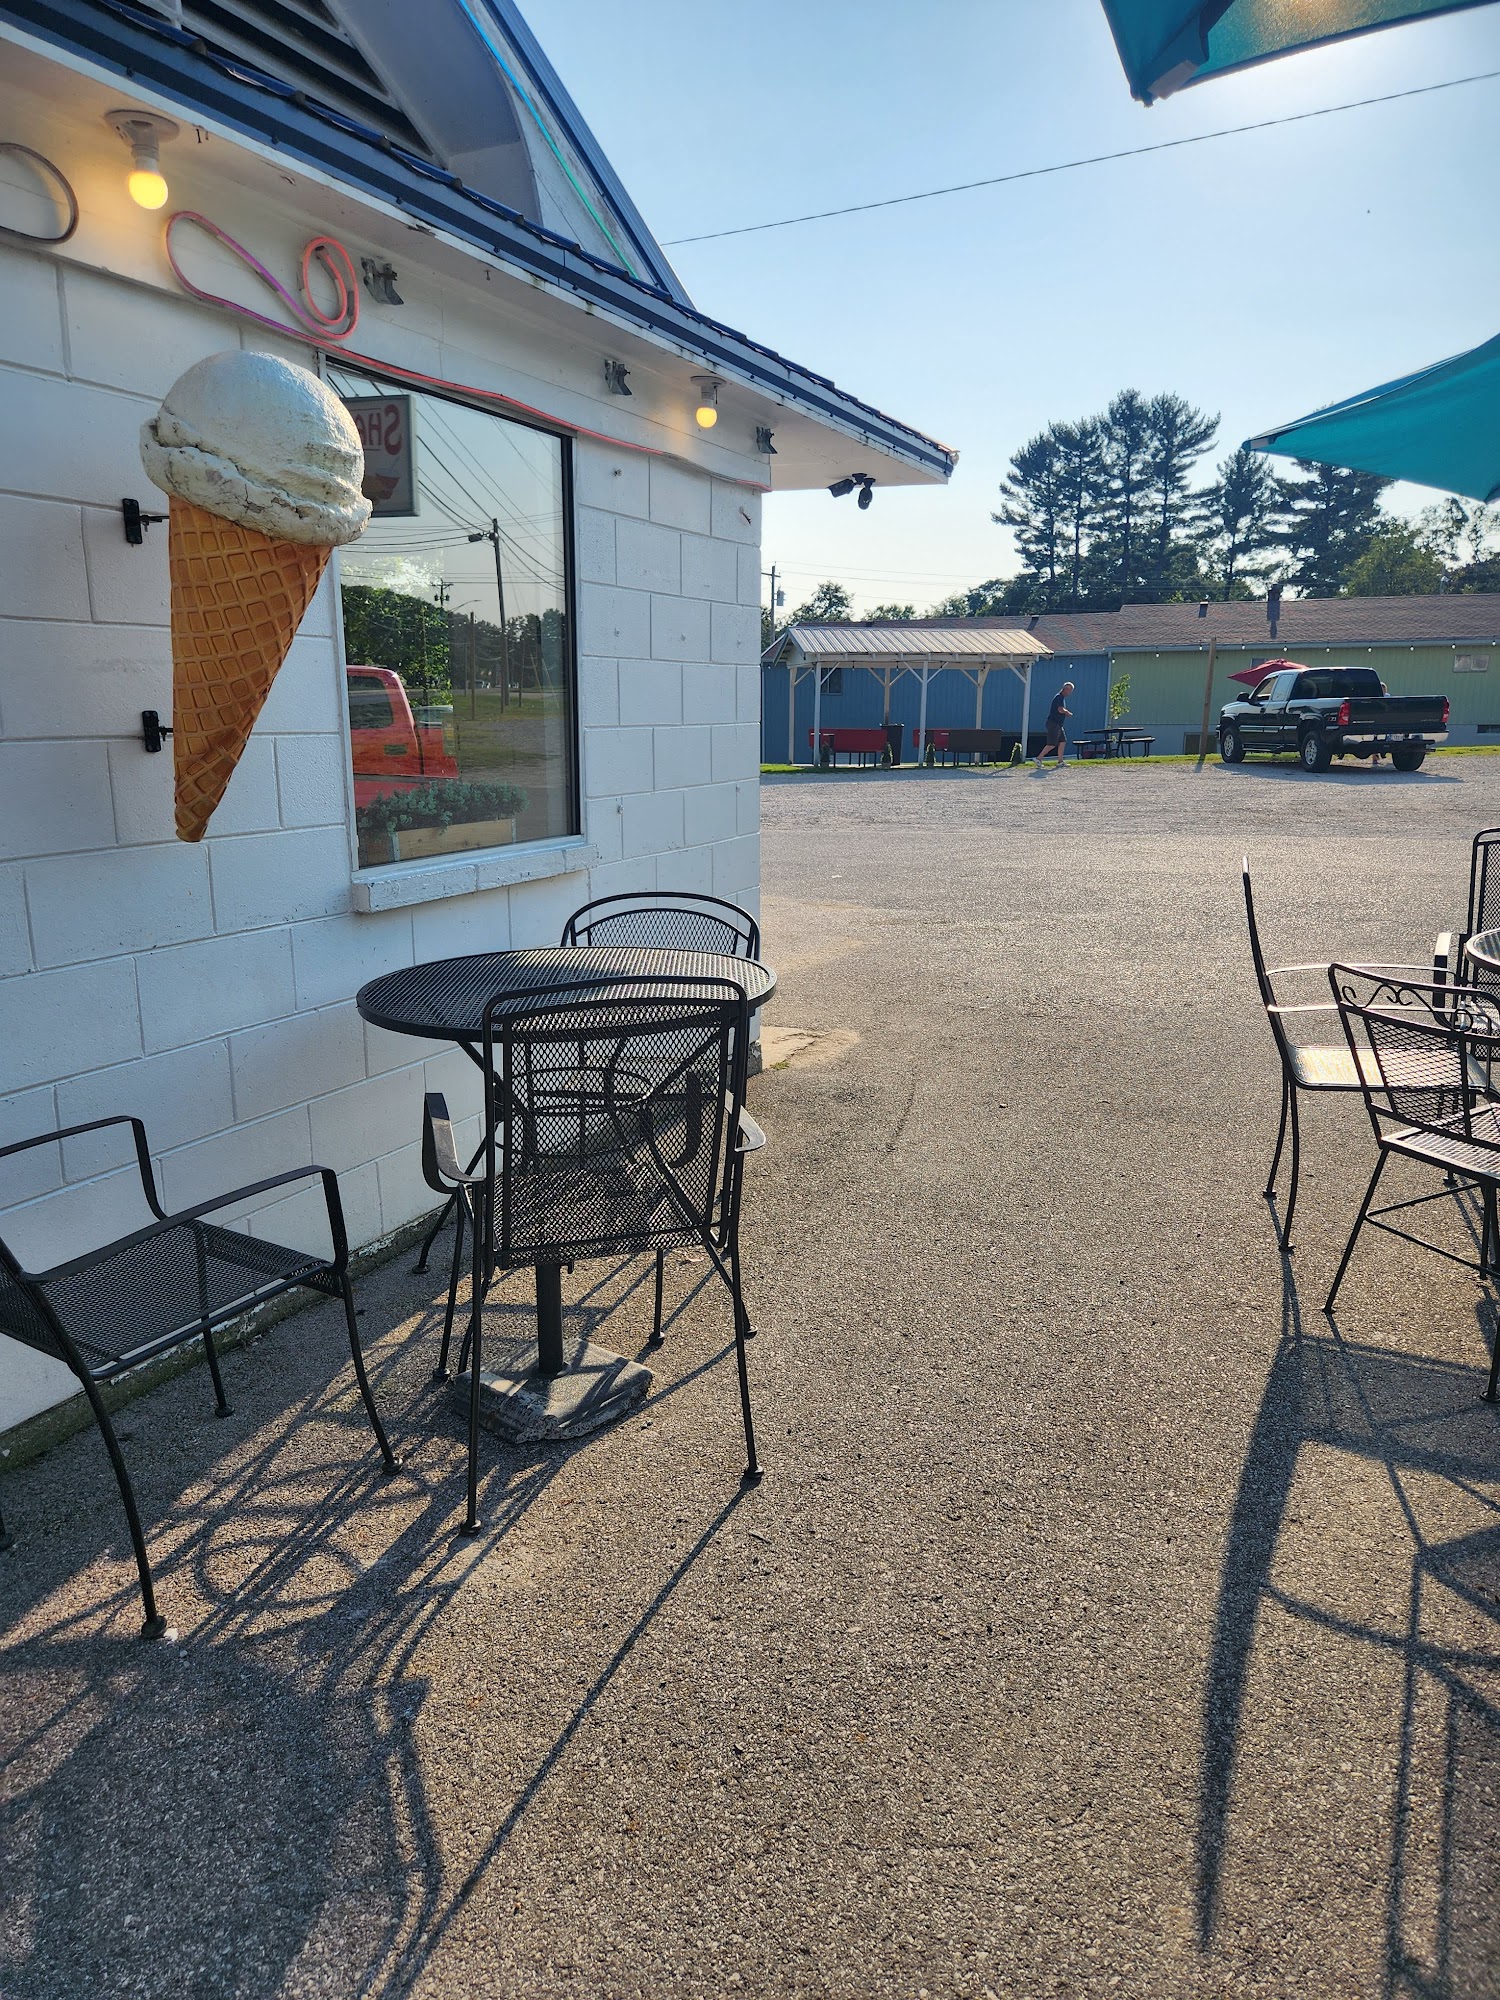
x: 393, y: 752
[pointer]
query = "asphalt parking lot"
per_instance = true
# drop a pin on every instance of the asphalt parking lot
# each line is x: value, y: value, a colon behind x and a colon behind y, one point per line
x: 1108, y: 1621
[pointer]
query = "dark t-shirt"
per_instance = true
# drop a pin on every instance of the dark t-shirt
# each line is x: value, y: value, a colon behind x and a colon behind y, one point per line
x: 1056, y: 712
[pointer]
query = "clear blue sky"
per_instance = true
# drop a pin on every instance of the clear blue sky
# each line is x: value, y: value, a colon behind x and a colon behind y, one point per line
x: 1260, y: 276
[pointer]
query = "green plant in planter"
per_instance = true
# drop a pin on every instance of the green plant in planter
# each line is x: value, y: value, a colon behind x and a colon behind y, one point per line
x: 444, y: 804
x: 1119, y: 698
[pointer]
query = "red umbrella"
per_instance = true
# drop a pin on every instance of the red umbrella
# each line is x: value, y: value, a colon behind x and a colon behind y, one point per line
x: 1253, y: 676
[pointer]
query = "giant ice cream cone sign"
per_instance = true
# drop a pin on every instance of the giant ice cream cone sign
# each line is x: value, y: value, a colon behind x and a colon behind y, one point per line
x: 263, y: 465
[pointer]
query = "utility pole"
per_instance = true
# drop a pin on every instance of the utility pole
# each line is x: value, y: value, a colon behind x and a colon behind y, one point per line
x: 492, y: 536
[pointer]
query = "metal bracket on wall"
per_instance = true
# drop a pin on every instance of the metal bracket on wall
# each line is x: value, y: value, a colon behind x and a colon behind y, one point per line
x: 153, y: 729
x: 137, y: 522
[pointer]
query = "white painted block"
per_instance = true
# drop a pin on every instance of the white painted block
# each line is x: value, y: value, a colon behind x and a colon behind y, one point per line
x: 648, y: 557
x: 278, y: 878
x: 652, y: 823
x: 736, y: 513
x: 736, y: 634
x: 618, y: 482
x: 747, y: 684
x: 24, y: 1115
x: 178, y: 1097
x: 310, y: 781
x: 617, y: 760
x: 291, y: 1061
x: 404, y: 1195
x: 30, y: 1382
x: 708, y: 694
x: 710, y: 568
x: 334, y: 957
x: 385, y: 1051
x: 125, y: 337
x: 143, y: 793
x: 682, y: 757
x: 55, y: 1024
x: 598, y: 692
x: 54, y: 799
x: 680, y: 628
x: 462, y: 924
x: 594, y: 546
x: 612, y: 622
x: 679, y: 497
x: 41, y: 560
x: 736, y: 751
x: 650, y: 692
x: 459, y: 1081
x: 15, y: 932
x: 124, y: 899
x: 623, y: 878
x: 752, y: 582
x: 192, y: 991
x: 736, y: 868
x: 606, y: 823
x: 538, y: 910
x: 307, y: 696
x: 82, y: 680
x: 75, y: 1220
x: 747, y: 794
x: 352, y: 1126
x: 709, y: 814
x: 689, y: 869
x: 232, y: 1159
x: 31, y: 325
x: 128, y: 584
x: 300, y: 1221
x: 66, y: 441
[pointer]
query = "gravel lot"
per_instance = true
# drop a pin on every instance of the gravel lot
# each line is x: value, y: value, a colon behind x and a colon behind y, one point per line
x: 1108, y: 1621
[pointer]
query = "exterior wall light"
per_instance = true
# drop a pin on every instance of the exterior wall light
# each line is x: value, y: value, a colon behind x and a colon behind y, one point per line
x: 707, y: 412
x: 865, y: 481
x: 144, y: 132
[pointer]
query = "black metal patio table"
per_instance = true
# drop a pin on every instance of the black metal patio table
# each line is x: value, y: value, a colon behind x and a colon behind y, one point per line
x: 1483, y: 949
x: 445, y: 1000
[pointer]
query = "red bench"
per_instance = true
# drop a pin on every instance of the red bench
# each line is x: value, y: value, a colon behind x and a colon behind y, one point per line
x: 861, y: 743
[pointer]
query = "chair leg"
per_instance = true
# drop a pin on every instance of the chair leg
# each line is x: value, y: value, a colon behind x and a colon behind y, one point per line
x: 387, y: 1455
x: 153, y: 1624
x: 1359, y: 1223
x: 432, y: 1235
x: 1489, y: 1251
x: 221, y: 1406
x: 6, y: 1541
x: 1286, y: 1091
x: 1291, y: 1192
x: 473, y: 1347
x: 440, y: 1373
x: 661, y: 1265
x: 753, y: 1470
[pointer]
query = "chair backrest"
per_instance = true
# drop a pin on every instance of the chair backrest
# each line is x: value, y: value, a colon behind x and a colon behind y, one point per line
x: 1484, y: 901
x: 1418, y: 1048
x: 612, y: 1116
x: 1262, y: 976
x: 668, y: 920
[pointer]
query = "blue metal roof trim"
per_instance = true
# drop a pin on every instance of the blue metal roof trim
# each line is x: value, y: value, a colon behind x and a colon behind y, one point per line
x: 146, y: 47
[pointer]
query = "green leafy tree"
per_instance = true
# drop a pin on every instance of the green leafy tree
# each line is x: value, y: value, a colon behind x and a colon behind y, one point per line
x: 1330, y: 517
x: 984, y: 600
x: 890, y: 614
x: 1397, y: 563
x: 830, y: 604
x: 1119, y: 698
x: 1239, y: 519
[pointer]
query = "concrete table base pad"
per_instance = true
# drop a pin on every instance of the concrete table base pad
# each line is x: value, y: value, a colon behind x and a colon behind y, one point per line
x: 517, y: 1404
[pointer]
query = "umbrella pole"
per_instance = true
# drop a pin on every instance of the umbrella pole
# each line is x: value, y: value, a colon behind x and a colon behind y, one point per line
x: 1208, y: 697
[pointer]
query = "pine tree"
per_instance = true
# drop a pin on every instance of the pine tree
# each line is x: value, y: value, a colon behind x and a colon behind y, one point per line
x: 1177, y: 437
x: 1331, y: 516
x: 1033, y: 505
x: 1118, y: 571
x: 1239, y: 515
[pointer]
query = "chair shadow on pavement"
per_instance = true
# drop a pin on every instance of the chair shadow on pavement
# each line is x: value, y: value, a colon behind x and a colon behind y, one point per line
x: 1434, y: 1446
x: 246, y: 1811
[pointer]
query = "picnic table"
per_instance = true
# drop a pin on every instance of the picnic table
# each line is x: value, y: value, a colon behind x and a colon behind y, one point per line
x: 1114, y: 741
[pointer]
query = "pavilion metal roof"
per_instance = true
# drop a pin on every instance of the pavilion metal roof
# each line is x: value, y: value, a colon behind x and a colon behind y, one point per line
x: 969, y: 645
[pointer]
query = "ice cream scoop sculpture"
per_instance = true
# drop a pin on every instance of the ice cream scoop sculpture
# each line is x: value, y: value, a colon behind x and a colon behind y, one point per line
x: 263, y: 465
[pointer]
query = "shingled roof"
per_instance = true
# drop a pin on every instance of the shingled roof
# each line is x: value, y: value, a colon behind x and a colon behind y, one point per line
x: 1466, y: 617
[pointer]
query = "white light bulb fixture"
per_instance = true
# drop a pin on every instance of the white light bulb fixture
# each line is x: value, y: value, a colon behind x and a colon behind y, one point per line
x: 707, y: 412
x: 145, y: 133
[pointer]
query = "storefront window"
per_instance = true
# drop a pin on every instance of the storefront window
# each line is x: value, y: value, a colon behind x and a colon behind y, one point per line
x: 457, y: 630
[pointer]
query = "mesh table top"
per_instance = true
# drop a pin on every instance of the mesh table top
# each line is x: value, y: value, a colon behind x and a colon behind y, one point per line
x: 445, y: 999
x: 1484, y: 949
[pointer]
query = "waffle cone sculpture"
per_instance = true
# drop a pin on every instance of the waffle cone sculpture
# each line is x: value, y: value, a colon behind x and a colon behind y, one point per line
x: 263, y: 465
x: 237, y: 600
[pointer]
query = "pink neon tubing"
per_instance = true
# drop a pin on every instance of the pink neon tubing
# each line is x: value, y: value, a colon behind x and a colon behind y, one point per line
x: 320, y: 329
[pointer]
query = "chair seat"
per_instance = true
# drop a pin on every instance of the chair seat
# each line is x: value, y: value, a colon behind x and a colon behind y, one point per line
x: 1320, y: 1066
x: 1454, y: 1149
x: 164, y: 1282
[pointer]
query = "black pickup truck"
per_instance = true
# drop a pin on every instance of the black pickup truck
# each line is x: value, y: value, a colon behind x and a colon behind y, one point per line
x: 1327, y: 712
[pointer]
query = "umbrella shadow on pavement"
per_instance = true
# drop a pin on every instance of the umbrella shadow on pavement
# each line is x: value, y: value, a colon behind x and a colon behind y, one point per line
x: 1420, y: 1424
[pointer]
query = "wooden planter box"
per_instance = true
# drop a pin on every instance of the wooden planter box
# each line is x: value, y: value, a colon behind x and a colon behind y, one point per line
x: 421, y: 843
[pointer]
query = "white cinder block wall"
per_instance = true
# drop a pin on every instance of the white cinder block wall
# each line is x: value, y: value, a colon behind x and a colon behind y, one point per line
x: 210, y: 989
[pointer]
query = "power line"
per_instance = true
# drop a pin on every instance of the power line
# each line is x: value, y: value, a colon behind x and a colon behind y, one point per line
x: 1091, y: 160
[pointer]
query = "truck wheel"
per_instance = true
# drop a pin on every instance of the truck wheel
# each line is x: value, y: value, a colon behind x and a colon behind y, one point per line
x: 1315, y: 754
x: 1231, y: 745
x: 1408, y: 760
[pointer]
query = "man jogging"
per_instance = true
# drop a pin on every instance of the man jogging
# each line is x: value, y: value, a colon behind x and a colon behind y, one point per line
x: 1057, y: 734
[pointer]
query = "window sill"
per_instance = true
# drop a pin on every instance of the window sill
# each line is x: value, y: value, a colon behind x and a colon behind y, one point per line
x: 398, y: 887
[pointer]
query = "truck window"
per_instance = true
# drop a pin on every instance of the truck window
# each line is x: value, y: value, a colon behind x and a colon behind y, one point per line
x: 369, y: 704
x: 1337, y: 683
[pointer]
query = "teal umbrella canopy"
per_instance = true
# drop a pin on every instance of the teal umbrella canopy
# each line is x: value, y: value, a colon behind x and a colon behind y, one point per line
x: 1165, y: 44
x: 1439, y: 427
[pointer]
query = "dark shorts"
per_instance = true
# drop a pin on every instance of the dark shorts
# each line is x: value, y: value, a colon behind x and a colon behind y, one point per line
x: 1056, y: 736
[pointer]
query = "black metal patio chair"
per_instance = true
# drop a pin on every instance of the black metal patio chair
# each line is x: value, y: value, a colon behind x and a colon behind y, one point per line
x: 666, y: 920
x: 174, y: 1281
x: 1305, y: 1065
x: 1423, y: 1052
x: 1482, y: 914
x: 615, y: 1123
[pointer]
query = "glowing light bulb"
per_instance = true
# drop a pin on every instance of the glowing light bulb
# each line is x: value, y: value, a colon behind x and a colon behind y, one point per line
x: 707, y: 412
x: 147, y: 187
x: 707, y: 416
